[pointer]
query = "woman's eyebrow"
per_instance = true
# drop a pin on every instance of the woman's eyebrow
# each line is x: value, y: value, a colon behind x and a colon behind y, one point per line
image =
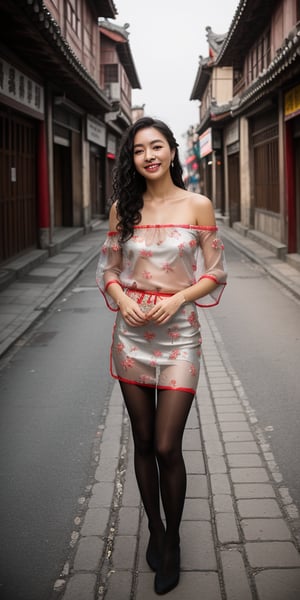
x: 152, y: 142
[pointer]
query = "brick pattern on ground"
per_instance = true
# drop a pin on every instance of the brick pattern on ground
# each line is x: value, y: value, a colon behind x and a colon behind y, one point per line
x: 240, y: 527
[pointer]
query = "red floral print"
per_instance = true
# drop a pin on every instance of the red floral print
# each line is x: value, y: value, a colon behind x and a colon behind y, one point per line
x: 192, y: 319
x: 127, y: 363
x: 167, y: 267
x: 173, y: 334
x: 149, y: 336
x: 181, y: 249
x: 146, y: 275
x: 192, y: 370
x: 217, y: 244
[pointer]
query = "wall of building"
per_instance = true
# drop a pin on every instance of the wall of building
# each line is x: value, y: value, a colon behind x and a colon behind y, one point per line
x: 80, y: 29
x: 222, y: 84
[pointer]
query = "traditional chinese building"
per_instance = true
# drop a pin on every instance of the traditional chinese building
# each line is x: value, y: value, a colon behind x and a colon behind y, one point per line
x: 260, y: 124
x: 213, y: 87
x: 49, y: 92
x: 118, y: 79
x: 263, y: 47
x: 59, y: 126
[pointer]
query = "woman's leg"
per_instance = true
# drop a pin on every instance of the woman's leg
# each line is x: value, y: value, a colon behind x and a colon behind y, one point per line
x: 172, y: 411
x: 140, y: 404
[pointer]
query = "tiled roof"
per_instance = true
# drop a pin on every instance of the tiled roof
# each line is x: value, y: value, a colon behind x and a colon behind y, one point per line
x: 250, y: 17
x: 44, y: 46
x: 286, y: 59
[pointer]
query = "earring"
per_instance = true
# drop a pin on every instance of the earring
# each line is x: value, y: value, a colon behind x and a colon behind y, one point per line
x: 172, y: 164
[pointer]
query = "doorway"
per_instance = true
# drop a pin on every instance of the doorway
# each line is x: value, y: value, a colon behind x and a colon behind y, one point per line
x: 63, y: 213
x: 18, y: 185
x: 297, y: 190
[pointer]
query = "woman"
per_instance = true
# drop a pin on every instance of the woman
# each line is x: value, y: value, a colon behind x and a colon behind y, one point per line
x: 161, y: 258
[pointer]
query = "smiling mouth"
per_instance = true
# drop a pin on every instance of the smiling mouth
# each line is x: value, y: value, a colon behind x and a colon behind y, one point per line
x: 152, y: 167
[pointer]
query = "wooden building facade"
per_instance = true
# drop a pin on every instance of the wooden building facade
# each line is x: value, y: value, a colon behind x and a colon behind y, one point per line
x: 260, y: 125
x: 56, y: 125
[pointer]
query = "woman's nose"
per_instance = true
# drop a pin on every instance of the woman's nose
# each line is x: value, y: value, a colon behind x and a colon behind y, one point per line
x: 149, y: 154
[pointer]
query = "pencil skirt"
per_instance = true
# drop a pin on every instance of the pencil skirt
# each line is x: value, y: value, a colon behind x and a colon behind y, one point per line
x: 163, y: 356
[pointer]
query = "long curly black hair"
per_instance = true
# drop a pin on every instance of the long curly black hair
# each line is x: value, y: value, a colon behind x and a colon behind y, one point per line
x: 128, y: 185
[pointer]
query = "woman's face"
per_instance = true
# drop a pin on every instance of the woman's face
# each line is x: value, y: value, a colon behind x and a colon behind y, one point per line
x: 152, y: 154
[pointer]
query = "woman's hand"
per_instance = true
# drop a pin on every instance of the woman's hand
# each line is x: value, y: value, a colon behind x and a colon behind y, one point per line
x: 166, y: 308
x: 131, y: 312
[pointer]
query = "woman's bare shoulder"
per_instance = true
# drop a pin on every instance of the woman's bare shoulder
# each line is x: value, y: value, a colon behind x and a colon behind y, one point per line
x: 203, y: 210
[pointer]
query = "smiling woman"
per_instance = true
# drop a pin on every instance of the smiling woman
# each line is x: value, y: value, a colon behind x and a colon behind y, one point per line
x: 151, y: 154
x: 161, y: 257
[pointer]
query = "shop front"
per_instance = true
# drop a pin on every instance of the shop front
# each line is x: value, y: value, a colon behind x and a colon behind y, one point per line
x: 96, y: 136
x: 23, y: 181
x: 211, y: 167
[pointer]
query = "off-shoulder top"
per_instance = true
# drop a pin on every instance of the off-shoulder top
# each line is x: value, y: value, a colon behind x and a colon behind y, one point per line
x: 163, y: 258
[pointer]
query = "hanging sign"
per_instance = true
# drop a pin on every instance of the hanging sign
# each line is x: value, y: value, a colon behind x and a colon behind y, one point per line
x: 292, y: 103
x: 20, y: 88
x: 205, y: 143
x: 95, y: 131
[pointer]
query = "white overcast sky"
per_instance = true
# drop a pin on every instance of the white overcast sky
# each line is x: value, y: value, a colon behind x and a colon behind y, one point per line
x: 166, y: 39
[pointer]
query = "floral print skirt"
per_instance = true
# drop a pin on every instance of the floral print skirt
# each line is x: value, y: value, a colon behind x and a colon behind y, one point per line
x: 162, y: 356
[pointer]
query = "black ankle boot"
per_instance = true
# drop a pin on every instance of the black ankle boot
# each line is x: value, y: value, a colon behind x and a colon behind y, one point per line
x: 153, y: 556
x: 165, y: 582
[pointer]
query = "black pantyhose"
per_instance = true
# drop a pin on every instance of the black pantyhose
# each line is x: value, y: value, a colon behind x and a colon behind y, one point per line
x: 157, y: 434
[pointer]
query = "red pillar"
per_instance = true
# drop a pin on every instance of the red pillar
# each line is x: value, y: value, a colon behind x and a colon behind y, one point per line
x: 290, y: 187
x: 43, y: 181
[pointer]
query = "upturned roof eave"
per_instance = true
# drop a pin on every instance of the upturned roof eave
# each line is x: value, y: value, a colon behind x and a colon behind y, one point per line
x: 55, y: 57
x: 215, y: 115
x: 126, y: 58
x: 249, y: 16
x: 120, y: 36
x: 201, y: 81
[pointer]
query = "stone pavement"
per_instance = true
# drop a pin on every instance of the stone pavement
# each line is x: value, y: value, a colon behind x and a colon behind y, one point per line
x: 240, y: 528
x: 240, y: 532
x: 286, y: 273
x: 32, y: 282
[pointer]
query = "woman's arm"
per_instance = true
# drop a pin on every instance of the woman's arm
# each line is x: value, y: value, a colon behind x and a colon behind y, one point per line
x: 129, y: 309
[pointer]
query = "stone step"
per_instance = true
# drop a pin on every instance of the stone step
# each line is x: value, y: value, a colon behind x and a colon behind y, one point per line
x: 293, y: 260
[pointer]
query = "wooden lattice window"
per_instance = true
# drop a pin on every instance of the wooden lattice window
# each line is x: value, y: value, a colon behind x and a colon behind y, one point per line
x: 111, y: 73
x: 266, y: 169
x: 73, y: 15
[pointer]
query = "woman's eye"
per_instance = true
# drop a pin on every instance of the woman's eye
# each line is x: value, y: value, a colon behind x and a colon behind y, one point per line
x: 157, y: 147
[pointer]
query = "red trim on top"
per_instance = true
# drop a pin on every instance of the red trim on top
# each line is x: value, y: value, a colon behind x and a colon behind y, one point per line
x: 112, y: 281
x: 150, y: 292
x: 212, y: 277
x: 216, y: 302
x: 106, y: 302
x: 179, y: 226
